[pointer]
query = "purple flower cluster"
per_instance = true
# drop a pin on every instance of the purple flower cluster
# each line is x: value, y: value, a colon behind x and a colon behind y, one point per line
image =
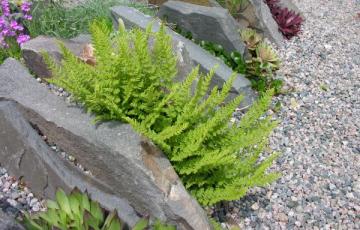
x: 11, y: 22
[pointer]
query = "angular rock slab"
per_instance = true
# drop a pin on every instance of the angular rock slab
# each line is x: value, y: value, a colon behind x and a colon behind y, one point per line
x: 124, y: 165
x: 257, y: 16
x: 197, y: 55
x: 213, y: 24
x: 27, y: 156
x: 32, y: 52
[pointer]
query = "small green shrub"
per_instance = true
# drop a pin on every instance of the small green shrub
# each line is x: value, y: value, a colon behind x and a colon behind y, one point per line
x: 54, y: 19
x: 77, y: 212
x: 217, y: 160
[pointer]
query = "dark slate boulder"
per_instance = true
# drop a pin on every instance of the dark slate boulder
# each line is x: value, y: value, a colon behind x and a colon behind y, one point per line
x: 213, y: 24
x: 32, y: 52
x: 129, y: 172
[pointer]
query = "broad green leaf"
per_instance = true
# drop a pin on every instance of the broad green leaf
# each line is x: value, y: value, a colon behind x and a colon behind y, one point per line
x: 63, y: 202
x: 115, y: 224
x: 141, y: 225
x: 52, y: 204
x: 96, y: 211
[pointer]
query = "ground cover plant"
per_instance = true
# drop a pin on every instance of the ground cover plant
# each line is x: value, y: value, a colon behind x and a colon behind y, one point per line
x: 132, y: 81
x: 54, y: 19
x: 77, y: 211
x: 12, y: 31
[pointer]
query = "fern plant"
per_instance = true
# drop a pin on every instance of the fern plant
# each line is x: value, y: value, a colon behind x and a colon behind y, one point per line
x: 77, y: 211
x: 216, y: 160
x: 129, y: 77
x: 132, y: 81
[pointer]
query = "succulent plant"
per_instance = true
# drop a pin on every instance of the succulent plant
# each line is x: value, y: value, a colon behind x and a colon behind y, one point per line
x: 77, y: 212
x: 267, y: 55
x: 264, y: 63
x: 289, y: 21
x: 250, y: 38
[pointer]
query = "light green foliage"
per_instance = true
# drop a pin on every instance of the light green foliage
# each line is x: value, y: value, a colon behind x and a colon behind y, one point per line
x: 217, y: 160
x: 77, y: 212
x: 53, y: 18
x: 129, y: 78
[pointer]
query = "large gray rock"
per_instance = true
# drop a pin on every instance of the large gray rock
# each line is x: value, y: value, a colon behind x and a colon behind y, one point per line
x: 213, y: 24
x: 27, y: 156
x: 7, y: 222
x: 257, y: 15
x: 291, y: 6
x: 32, y: 52
x: 197, y: 55
x: 129, y: 173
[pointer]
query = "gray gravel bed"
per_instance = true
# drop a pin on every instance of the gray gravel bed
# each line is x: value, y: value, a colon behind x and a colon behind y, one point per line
x: 15, y: 197
x: 319, y: 135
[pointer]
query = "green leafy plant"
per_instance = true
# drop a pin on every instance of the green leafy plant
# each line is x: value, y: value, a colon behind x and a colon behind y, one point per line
x: 77, y: 212
x: 217, y: 160
x: 54, y: 19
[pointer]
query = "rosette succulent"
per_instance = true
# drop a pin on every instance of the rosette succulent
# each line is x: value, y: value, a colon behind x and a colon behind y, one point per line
x: 250, y: 38
x: 265, y: 62
x: 289, y: 21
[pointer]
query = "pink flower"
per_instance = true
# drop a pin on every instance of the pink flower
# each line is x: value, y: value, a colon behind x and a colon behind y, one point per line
x: 25, y: 6
x: 28, y: 17
x: 5, y: 7
x: 22, y: 38
x: 15, y: 26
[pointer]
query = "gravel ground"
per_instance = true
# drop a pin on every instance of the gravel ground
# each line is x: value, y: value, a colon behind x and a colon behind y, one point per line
x: 319, y: 135
x: 15, y: 197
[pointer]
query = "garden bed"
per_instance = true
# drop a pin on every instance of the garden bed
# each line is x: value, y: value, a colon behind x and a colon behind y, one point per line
x: 115, y: 164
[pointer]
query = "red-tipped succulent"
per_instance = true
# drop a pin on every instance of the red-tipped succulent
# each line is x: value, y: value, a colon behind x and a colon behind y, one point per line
x: 289, y: 21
